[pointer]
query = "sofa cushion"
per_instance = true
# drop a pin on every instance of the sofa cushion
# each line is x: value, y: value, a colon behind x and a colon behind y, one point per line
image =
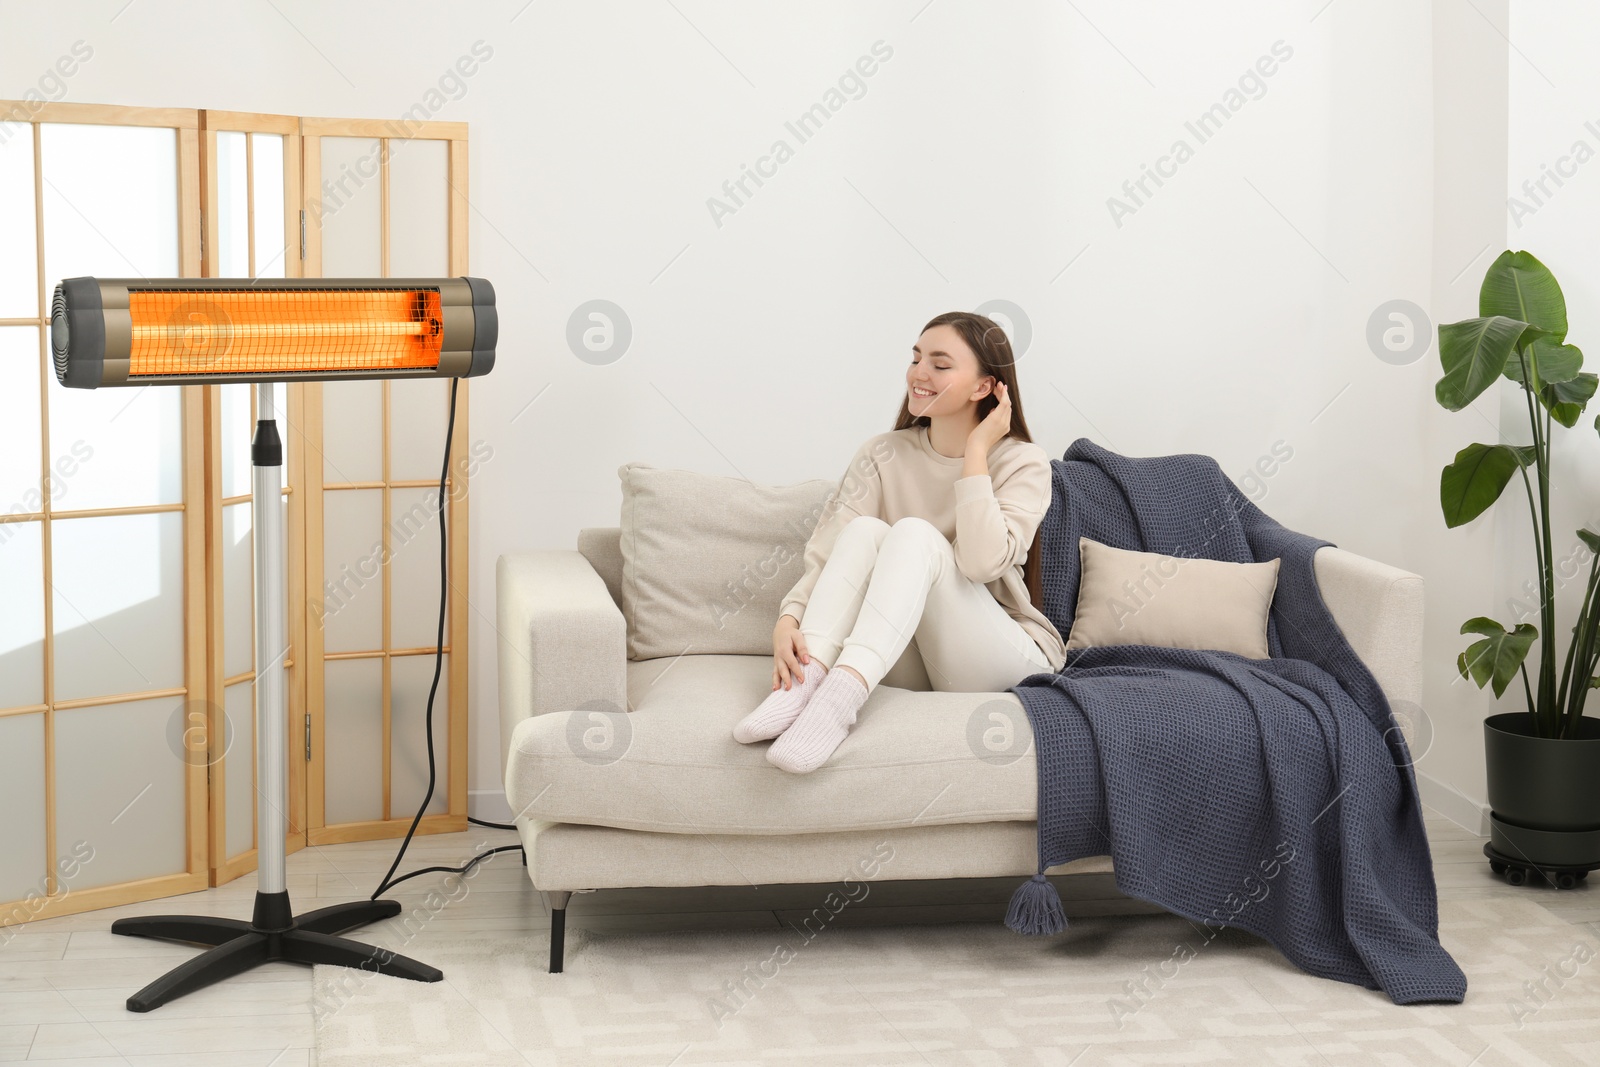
x: 671, y: 763
x: 707, y: 560
x: 1147, y: 598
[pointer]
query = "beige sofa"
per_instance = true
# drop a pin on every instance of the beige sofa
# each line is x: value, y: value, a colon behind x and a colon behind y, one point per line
x: 623, y: 772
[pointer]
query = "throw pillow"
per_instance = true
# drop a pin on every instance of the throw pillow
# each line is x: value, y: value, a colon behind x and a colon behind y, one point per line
x: 1146, y: 598
x: 706, y: 559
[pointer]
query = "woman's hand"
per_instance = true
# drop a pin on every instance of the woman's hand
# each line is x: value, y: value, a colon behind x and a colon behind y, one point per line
x: 788, y: 653
x: 994, y: 426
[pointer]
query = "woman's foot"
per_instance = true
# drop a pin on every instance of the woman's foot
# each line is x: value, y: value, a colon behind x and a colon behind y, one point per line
x: 782, y: 707
x: 822, y: 725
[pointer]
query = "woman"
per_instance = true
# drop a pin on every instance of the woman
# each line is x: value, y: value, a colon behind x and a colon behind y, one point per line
x: 922, y: 553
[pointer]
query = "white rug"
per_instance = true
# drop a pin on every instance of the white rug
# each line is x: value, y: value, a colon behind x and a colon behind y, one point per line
x: 1116, y: 990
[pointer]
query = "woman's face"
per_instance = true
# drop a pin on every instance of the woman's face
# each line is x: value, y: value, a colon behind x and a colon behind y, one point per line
x: 943, y: 365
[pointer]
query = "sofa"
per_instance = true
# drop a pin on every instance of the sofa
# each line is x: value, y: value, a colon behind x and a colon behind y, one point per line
x: 616, y: 713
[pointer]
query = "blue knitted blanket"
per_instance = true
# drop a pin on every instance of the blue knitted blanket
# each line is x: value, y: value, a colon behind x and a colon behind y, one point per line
x: 1274, y: 795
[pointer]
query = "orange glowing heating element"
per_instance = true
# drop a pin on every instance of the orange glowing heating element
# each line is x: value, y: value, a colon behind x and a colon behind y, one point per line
x: 260, y: 331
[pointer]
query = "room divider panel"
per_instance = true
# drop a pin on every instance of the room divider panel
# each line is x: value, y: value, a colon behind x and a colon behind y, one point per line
x: 102, y: 561
x: 389, y: 199
x: 251, y: 174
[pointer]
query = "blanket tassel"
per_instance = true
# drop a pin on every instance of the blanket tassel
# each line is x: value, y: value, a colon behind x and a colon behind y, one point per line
x: 1036, y: 908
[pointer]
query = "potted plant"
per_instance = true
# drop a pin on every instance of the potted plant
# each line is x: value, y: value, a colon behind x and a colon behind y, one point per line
x: 1543, y: 764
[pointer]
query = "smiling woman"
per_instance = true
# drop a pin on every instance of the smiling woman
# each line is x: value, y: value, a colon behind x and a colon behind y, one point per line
x: 920, y: 562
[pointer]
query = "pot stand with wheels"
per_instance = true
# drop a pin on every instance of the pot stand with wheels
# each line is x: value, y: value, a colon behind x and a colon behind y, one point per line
x: 1517, y: 870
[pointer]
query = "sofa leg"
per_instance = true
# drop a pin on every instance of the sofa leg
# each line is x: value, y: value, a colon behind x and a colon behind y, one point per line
x: 558, y: 926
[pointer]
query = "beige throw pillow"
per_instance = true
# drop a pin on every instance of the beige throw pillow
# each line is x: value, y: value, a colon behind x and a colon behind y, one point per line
x: 1145, y: 598
x: 707, y: 560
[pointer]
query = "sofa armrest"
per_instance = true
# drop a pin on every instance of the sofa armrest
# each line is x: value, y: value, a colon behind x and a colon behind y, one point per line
x: 1379, y: 610
x: 562, y: 639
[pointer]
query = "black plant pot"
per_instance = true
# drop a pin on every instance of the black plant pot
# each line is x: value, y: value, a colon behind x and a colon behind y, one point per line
x: 1544, y: 793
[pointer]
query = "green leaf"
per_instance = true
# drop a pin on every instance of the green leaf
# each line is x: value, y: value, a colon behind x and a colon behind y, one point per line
x: 1498, y: 656
x: 1475, y: 480
x: 1554, y: 362
x: 1474, y: 353
x: 1518, y: 286
x: 1590, y: 538
x: 1530, y: 334
x: 1566, y: 400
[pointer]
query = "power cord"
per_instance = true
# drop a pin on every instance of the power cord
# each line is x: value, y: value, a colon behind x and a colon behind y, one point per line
x: 438, y: 663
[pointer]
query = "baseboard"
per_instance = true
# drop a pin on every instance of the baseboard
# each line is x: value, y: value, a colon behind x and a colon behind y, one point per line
x: 1453, y: 804
x: 491, y: 805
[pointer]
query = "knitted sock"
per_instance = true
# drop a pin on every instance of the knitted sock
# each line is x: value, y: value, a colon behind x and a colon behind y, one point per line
x: 827, y: 718
x: 774, y: 714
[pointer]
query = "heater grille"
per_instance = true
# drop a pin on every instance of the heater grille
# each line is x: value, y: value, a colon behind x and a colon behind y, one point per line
x: 207, y: 331
x: 58, y: 332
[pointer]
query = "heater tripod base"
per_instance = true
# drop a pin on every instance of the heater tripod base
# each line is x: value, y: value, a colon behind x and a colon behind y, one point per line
x: 273, y: 934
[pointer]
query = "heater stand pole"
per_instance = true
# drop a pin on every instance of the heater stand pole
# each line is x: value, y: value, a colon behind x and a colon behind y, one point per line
x: 274, y: 933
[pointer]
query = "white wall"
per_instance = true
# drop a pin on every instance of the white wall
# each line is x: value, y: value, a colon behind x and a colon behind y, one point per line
x: 1227, y: 314
x: 1554, y: 135
x: 1470, y: 124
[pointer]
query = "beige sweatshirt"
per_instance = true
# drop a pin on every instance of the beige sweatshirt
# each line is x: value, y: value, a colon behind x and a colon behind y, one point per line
x: 990, y: 519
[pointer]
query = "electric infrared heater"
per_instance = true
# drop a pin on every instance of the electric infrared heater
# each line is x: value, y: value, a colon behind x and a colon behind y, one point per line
x: 107, y: 332
x: 189, y: 331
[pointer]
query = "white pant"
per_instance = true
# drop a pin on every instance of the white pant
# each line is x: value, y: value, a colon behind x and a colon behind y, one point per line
x: 891, y: 603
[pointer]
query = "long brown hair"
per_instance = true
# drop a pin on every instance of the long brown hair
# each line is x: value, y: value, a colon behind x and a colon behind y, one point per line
x: 989, y: 343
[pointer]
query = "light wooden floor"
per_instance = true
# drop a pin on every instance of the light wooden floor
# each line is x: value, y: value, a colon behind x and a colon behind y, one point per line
x: 63, y: 982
